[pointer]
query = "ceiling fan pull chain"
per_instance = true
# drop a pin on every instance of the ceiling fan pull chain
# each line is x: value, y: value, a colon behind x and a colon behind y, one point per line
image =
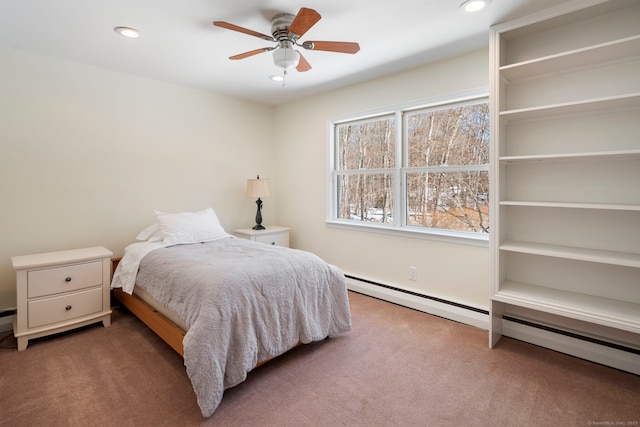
x: 284, y: 72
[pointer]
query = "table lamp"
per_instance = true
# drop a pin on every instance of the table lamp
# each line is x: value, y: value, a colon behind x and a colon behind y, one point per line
x: 258, y: 188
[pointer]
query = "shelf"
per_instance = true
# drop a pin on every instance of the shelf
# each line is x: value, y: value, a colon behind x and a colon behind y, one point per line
x: 603, y: 311
x: 570, y: 252
x: 572, y: 205
x: 596, y: 155
x: 610, y: 103
x: 565, y: 15
x: 593, y: 55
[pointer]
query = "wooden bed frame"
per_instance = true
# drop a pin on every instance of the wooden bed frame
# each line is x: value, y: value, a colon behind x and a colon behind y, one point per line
x: 168, y: 331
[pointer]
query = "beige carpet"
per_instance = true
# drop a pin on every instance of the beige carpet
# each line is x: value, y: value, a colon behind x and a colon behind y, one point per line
x: 397, y: 367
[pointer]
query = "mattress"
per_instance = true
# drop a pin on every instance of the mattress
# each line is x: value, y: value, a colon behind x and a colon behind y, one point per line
x: 144, y: 296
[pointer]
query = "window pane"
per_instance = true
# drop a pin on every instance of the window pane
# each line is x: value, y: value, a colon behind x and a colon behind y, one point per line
x: 367, y: 145
x: 365, y: 197
x: 449, y: 200
x: 453, y: 136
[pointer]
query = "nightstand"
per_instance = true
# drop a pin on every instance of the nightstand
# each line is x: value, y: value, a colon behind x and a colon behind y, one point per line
x: 272, y: 235
x: 59, y: 291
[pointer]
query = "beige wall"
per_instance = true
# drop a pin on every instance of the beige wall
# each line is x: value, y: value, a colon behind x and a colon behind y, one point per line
x: 87, y: 154
x: 450, y: 271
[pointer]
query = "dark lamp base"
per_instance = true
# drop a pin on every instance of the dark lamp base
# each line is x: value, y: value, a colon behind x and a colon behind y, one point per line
x: 258, y: 225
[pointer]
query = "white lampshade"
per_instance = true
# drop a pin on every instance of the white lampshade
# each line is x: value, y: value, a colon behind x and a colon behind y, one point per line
x: 286, y: 58
x: 257, y: 188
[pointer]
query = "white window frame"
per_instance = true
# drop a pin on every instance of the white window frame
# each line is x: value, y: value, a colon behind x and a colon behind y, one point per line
x: 400, y: 228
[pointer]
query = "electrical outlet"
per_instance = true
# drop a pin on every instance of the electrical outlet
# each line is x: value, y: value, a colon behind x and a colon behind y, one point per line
x: 413, y: 273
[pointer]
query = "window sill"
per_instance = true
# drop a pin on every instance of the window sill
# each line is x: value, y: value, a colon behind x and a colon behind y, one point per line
x: 446, y: 236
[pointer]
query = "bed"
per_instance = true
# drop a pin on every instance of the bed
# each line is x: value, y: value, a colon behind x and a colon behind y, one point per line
x: 227, y: 304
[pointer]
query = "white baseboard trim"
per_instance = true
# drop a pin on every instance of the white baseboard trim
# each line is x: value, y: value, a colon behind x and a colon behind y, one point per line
x: 448, y: 311
x: 581, y: 348
x: 6, y: 323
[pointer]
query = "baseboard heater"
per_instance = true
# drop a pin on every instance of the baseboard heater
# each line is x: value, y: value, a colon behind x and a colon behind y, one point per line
x: 8, y: 312
x: 450, y: 310
x: 419, y: 295
x: 506, y: 317
x: 572, y: 335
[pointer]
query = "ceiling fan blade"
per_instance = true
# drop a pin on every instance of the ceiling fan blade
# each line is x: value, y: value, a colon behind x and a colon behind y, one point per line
x: 251, y: 53
x: 303, y: 65
x: 305, y: 19
x: 234, y: 27
x: 341, y: 47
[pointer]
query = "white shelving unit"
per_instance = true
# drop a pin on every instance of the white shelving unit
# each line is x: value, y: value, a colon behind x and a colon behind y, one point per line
x: 565, y: 171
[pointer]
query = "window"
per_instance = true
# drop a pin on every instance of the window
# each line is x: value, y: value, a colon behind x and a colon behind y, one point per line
x: 423, y: 169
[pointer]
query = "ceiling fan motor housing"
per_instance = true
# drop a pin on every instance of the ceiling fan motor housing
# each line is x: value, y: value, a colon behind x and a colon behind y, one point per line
x: 280, y: 29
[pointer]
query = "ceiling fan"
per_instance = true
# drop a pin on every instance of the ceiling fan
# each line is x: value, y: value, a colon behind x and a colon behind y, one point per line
x: 286, y: 30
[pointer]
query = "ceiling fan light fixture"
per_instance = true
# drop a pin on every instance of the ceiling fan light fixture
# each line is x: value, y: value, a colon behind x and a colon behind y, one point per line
x: 127, y: 32
x: 471, y: 6
x: 286, y: 58
x: 286, y: 30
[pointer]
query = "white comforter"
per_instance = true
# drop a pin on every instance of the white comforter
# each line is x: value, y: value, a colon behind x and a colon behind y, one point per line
x: 244, y: 302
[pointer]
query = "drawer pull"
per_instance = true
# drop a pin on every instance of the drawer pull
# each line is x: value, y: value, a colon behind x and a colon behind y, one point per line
x: 67, y: 279
x: 68, y: 308
x: 273, y: 243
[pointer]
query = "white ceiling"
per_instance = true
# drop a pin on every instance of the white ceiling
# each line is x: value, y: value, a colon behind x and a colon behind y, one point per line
x: 179, y: 44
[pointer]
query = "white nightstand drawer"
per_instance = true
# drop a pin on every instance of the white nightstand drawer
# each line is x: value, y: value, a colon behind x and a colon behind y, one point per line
x: 64, y: 307
x: 281, y: 239
x: 63, y: 279
x: 271, y: 235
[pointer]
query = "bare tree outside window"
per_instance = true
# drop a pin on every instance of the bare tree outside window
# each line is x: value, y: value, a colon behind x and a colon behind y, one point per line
x: 450, y: 150
x: 366, y: 147
x: 442, y: 164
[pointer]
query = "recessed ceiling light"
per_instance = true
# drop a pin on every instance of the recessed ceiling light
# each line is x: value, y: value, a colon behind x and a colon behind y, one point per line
x: 127, y: 32
x: 471, y: 6
x: 277, y: 78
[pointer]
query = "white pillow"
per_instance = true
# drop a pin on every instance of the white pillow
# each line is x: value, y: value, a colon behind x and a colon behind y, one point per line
x: 152, y: 233
x: 189, y: 227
